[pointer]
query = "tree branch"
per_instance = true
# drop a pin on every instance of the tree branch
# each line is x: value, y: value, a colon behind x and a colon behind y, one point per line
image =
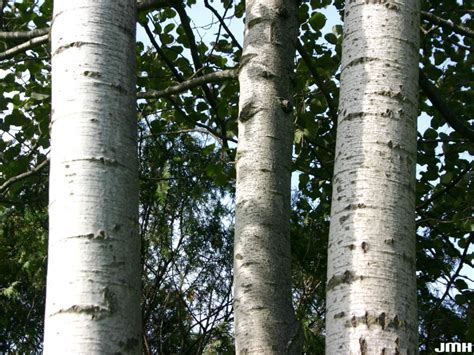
x: 24, y: 46
x: 180, y: 9
x: 179, y: 131
x: 24, y: 175
x: 3, y: 5
x: 189, y: 84
x: 319, y: 81
x: 212, y: 131
x: 194, y: 50
x: 146, y: 5
x: 447, y: 187
x: 160, y: 52
x: 222, y: 22
x: 438, y: 102
x: 462, y: 30
x: 451, y: 280
x: 24, y: 34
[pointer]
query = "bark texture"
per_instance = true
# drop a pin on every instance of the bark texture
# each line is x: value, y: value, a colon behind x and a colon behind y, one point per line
x: 264, y: 315
x: 93, y: 284
x: 371, y: 291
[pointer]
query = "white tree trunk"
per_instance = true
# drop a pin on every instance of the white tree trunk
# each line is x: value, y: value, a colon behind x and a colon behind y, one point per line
x: 93, y: 284
x: 264, y: 316
x: 371, y: 291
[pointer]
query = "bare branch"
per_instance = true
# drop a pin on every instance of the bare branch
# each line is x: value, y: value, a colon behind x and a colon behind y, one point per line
x: 222, y: 22
x: 462, y: 30
x: 24, y: 175
x: 24, y: 46
x: 189, y: 84
x: 24, y: 34
x: 438, y: 102
x: 179, y: 131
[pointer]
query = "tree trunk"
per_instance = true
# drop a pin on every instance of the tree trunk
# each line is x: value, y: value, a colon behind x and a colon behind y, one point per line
x: 371, y: 291
x: 264, y: 316
x: 93, y: 284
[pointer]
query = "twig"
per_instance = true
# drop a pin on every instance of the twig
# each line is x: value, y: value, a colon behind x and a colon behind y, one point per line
x: 24, y: 34
x: 448, y: 187
x: 438, y: 102
x: 319, y: 81
x: 222, y: 22
x: 24, y: 46
x: 180, y: 131
x: 212, y: 131
x: 185, y: 22
x: 189, y: 84
x: 160, y: 52
x: 4, y: 4
x: 144, y: 5
x: 451, y: 280
x: 447, y: 24
x: 24, y: 175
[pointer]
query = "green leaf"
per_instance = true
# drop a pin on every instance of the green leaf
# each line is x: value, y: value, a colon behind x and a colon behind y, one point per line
x: 298, y: 136
x: 201, y: 106
x: 461, y: 284
x: 166, y: 38
x: 331, y: 38
x: 317, y: 21
x: 38, y: 96
x: 10, y: 291
x: 208, y: 149
x: 439, y: 57
x: 303, y: 181
x: 303, y: 13
x: 460, y: 299
x: 212, y: 170
x: 431, y: 174
x: 169, y: 27
x: 446, y: 178
x: 239, y: 9
x: 337, y: 30
x: 430, y: 133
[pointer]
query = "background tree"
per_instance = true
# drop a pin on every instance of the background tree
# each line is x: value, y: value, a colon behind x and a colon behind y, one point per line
x: 264, y: 317
x: 177, y: 110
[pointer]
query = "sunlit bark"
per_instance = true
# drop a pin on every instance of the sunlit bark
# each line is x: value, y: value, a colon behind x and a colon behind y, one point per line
x: 93, y: 283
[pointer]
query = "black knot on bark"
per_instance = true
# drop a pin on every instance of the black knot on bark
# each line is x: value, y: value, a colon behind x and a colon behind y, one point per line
x: 286, y: 105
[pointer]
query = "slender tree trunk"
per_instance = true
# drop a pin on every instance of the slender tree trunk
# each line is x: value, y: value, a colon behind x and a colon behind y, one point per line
x: 371, y: 291
x: 93, y: 285
x: 264, y: 316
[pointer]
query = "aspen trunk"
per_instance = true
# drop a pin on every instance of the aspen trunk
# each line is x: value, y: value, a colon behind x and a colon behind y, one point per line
x: 264, y: 315
x: 93, y: 283
x: 371, y: 290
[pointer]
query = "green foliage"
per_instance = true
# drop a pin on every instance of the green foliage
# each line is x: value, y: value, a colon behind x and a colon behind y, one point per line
x: 22, y: 279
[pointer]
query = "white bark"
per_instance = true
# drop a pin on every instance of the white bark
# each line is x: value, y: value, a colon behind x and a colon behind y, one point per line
x: 371, y: 291
x: 93, y: 284
x: 264, y: 316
